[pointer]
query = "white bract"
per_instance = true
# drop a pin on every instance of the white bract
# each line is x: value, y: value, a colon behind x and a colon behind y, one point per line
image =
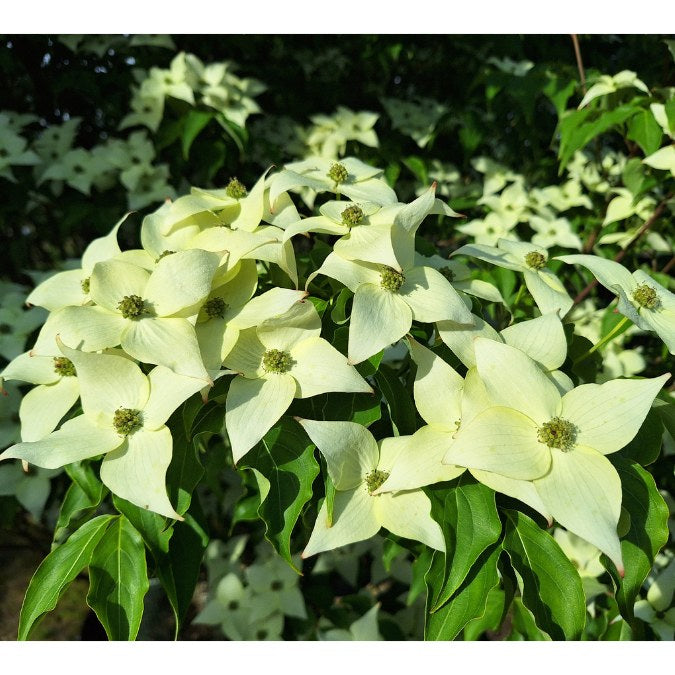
x: 390, y: 289
x: 357, y: 467
x: 446, y: 402
x: 642, y: 299
x: 148, y: 314
x: 44, y: 406
x: 608, y: 84
x: 542, y: 339
x: 282, y: 359
x: 558, y: 442
x: 124, y: 418
x: 350, y: 177
x: 545, y: 287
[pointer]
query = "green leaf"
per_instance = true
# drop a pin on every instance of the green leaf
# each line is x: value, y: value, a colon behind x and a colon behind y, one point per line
x: 576, y: 132
x: 234, y: 131
x: 647, y: 532
x: 398, y: 400
x: 339, y: 314
x: 468, y: 603
x: 58, y: 570
x: 559, y: 90
x: 195, y: 121
x: 646, y: 446
x: 645, y: 131
x: 178, y: 571
x: 285, y: 460
x: 77, y: 505
x: 185, y: 470
x: 118, y: 580
x: 418, y: 167
x: 494, y: 610
x: 670, y: 111
x: 84, y: 475
x: 467, y: 514
x: 524, y: 624
x: 151, y: 526
x: 552, y: 588
x: 665, y: 407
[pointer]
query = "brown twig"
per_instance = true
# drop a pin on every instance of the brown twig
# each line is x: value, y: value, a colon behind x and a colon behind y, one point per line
x: 620, y: 255
x: 580, y: 63
x: 669, y: 264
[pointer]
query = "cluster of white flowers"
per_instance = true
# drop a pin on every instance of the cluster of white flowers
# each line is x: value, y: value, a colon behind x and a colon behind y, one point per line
x: 133, y: 334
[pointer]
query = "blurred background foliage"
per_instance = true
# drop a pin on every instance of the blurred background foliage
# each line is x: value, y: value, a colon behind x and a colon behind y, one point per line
x: 486, y: 107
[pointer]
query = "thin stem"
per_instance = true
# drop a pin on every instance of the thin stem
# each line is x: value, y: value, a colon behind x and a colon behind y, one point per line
x: 516, y: 301
x: 620, y: 255
x: 610, y: 336
x: 580, y: 63
x: 669, y: 264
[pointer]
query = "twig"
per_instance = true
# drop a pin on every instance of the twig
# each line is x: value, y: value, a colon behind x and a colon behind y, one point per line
x: 580, y: 63
x: 669, y: 264
x: 620, y: 255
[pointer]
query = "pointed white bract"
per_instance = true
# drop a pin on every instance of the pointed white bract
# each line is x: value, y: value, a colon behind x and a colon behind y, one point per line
x: 642, y: 299
x: 548, y: 292
x: 124, y: 416
x: 357, y: 468
x: 282, y: 359
x: 532, y: 432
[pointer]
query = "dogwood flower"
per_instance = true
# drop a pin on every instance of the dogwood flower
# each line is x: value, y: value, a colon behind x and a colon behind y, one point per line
x: 558, y: 442
x: 146, y: 313
x: 337, y: 217
x: 282, y: 359
x: 124, y: 418
x: 607, y: 84
x: 586, y: 559
x: 349, y: 177
x: 72, y: 286
x: 389, y: 238
x: 416, y: 117
x: 386, y: 301
x: 357, y: 467
x: 644, y: 301
x: 329, y: 134
x: 231, y: 308
x: 44, y: 406
x: 624, y: 206
x: 446, y: 402
x: 552, y: 231
x: 545, y: 287
x: 491, y: 228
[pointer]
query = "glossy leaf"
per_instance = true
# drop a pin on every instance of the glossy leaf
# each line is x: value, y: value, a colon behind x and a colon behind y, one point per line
x: 468, y: 602
x: 398, y: 400
x: 195, y: 122
x: 58, y: 570
x: 647, y: 532
x: 491, y: 619
x: 645, y: 131
x: 552, y: 588
x: 285, y: 460
x: 118, y: 580
x: 468, y: 517
x: 646, y: 446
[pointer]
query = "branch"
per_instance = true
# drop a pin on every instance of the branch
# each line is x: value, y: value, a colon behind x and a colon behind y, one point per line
x: 580, y: 63
x: 620, y: 255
